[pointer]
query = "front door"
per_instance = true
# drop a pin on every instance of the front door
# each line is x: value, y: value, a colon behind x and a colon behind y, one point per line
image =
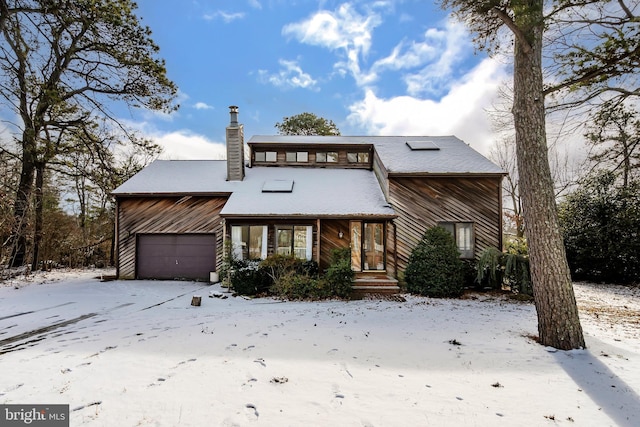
x: 367, y: 246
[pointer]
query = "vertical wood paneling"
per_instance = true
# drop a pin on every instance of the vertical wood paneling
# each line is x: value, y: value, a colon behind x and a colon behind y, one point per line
x: 165, y: 215
x: 423, y: 202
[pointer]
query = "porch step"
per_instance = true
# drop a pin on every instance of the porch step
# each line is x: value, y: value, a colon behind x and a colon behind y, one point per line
x: 366, y: 285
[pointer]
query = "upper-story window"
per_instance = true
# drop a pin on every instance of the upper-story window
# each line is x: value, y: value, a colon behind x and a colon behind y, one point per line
x: 326, y: 157
x: 297, y: 156
x: 358, y: 157
x: 266, y: 156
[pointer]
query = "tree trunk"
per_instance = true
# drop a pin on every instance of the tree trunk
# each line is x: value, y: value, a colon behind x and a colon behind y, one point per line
x: 37, y: 231
x: 558, y: 321
x: 21, y: 207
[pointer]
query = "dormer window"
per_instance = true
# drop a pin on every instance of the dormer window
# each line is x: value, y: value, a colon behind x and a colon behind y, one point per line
x: 358, y: 157
x: 326, y: 157
x: 297, y: 156
x: 266, y: 156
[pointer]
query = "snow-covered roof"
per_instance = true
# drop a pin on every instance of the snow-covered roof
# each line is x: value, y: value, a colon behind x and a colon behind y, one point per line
x: 179, y: 177
x: 453, y: 156
x: 315, y: 192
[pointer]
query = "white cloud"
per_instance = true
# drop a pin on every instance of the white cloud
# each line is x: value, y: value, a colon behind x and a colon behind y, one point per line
x: 255, y: 4
x: 344, y: 30
x: 291, y: 75
x: 225, y: 16
x: 460, y: 112
x: 202, y: 106
x: 449, y: 44
x: 184, y: 145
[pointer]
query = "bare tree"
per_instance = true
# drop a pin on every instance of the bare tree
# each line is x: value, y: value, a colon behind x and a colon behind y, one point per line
x: 63, y: 63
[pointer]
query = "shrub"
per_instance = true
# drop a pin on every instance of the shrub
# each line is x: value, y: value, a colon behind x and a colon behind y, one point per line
x: 339, y: 276
x: 277, y: 266
x: 490, y: 269
x: 434, y: 267
x: 295, y: 279
x: 247, y: 278
x: 510, y: 268
x: 600, y: 222
x: 294, y: 286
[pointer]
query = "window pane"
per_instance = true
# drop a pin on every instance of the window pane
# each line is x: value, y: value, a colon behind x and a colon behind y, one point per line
x: 363, y: 157
x: 271, y: 156
x: 449, y: 226
x: 302, y: 156
x: 284, y: 240
x: 255, y: 242
x: 236, y: 241
x: 260, y: 156
x: 352, y: 157
x: 464, y: 237
x: 300, y: 242
x: 332, y: 157
x: 356, y: 245
x: 291, y: 156
x: 321, y: 157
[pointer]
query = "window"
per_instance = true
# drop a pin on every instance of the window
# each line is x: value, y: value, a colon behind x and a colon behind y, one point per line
x: 265, y: 156
x: 358, y: 157
x: 463, y: 234
x: 296, y: 240
x: 297, y: 156
x: 327, y: 157
x: 271, y: 156
x: 249, y: 241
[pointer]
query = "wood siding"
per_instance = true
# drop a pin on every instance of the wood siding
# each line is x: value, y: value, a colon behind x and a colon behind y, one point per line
x: 422, y: 202
x: 164, y: 215
x: 330, y: 240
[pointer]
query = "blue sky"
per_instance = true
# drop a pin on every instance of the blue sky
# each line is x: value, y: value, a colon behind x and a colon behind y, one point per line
x: 391, y: 67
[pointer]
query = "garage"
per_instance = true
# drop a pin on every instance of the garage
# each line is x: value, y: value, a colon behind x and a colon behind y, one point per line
x: 175, y: 256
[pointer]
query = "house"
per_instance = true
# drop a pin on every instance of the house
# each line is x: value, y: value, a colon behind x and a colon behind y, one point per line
x: 307, y: 195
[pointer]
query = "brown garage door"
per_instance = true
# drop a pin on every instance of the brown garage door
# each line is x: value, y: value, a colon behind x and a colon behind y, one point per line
x: 176, y: 256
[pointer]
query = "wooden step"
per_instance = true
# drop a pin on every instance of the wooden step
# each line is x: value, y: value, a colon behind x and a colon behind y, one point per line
x: 375, y: 285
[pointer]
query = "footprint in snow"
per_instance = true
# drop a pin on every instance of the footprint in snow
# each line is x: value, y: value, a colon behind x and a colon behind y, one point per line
x: 251, y: 410
x: 260, y: 361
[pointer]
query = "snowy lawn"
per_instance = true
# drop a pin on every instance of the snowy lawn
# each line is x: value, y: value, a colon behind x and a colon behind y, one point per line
x: 136, y: 353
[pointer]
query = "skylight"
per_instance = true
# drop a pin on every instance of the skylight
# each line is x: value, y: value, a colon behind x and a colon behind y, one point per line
x: 278, y: 186
x: 423, y: 146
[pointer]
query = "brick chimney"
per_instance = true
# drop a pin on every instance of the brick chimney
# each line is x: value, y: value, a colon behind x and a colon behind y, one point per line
x: 235, y: 147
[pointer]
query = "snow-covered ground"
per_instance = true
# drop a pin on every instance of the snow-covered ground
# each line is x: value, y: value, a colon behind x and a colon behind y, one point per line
x: 136, y: 353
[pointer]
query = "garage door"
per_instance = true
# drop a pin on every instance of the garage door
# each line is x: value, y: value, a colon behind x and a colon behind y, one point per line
x: 176, y: 256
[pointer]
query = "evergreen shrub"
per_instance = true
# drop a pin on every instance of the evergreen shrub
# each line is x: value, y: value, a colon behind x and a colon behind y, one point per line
x: 339, y: 276
x: 434, y: 267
